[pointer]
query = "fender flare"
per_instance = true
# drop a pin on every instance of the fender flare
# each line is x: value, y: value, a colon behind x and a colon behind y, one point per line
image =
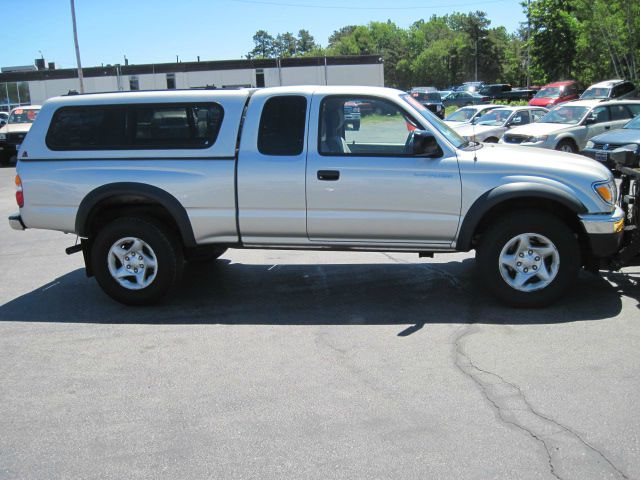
x: 155, y: 194
x: 511, y: 191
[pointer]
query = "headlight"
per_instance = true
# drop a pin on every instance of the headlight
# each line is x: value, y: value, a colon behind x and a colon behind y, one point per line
x: 590, y: 144
x: 630, y: 146
x: 607, y: 191
x: 538, y: 139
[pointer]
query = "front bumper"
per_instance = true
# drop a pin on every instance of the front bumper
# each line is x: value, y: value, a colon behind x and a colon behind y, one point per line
x: 604, y: 231
x: 15, y: 222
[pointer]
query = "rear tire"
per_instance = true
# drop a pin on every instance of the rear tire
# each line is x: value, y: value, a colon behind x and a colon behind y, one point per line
x: 136, y: 261
x: 528, y: 259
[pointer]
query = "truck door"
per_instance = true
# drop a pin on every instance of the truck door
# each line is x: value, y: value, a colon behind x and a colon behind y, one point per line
x: 271, y: 169
x: 365, y: 185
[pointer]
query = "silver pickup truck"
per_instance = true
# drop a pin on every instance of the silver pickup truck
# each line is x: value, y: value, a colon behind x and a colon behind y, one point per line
x: 148, y: 180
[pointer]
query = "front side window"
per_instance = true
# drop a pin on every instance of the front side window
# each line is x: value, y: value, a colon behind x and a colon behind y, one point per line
x: 566, y: 114
x: 131, y: 127
x: 600, y: 114
x: 520, y: 118
x: 282, y: 126
x: 495, y: 118
x: 384, y: 131
x: 23, y: 115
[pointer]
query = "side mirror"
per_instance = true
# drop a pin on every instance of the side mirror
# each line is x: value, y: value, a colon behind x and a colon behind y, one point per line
x: 425, y: 145
x: 591, y: 119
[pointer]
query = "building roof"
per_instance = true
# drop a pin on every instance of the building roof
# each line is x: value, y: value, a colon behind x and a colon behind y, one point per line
x: 112, y: 70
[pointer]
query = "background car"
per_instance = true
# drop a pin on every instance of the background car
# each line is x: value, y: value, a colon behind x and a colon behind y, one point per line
x: 462, y: 99
x: 12, y: 134
x: 600, y: 146
x: 469, y: 87
x: 490, y: 126
x: 466, y: 115
x: 568, y: 127
x: 610, y: 89
x: 556, y: 93
x: 430, y: 98
x: 352, y: 115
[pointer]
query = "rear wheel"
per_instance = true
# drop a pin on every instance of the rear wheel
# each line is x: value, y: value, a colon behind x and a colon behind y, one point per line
x: 136, y: 261
x: 567, y: 146
x: 528, y: 259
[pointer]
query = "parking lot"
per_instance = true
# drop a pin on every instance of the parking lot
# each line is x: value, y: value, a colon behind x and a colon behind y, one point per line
x: 279, y: 364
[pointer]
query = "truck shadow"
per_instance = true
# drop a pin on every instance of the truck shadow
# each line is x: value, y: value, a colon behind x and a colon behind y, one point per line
x: 327, y: 294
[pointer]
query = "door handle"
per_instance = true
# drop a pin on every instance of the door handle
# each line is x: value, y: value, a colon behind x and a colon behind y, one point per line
x: 328, y: 175
x: 608, y: 127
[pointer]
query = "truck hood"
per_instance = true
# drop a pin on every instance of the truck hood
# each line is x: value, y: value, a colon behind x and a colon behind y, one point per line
x: 551, y: 164
x: 536, y: 129
x: 619, y: 137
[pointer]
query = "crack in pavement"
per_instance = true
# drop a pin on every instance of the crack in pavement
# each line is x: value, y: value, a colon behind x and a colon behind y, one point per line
x: 568, y: 454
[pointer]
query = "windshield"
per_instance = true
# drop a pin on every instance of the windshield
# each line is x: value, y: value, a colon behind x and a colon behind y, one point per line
x: 633, y: 124
x: 21, y: 115
x: 494, y: 118
x: 594, y: 93
x: 462, y: 115
x: 548, y: 92
x: 445, y: 130
x: 570, y: 115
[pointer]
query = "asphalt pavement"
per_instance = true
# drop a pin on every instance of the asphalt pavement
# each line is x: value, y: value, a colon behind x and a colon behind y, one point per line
x: 302, y: 365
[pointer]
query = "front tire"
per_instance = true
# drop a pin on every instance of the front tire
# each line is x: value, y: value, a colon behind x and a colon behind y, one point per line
x: 566, y: 146
x: 136, y: 261
x: 528, y: 259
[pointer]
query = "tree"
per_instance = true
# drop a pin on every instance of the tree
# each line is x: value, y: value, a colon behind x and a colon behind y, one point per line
x: 305, y: 43
x: 285, y: 45
x: 264, y: 45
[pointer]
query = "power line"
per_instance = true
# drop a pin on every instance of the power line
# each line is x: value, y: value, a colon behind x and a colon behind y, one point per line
x: 342, y: 7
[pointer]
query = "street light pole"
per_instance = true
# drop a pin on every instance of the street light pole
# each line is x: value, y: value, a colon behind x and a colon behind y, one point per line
x: 75, y: 39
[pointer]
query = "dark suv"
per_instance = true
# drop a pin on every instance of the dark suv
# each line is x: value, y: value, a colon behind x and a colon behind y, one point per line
x: 430, y: 98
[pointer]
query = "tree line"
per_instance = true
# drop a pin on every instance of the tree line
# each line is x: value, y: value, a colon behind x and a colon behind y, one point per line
x: 586, y: 40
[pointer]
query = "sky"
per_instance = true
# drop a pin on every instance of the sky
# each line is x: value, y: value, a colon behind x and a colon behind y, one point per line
x: 155, y: 31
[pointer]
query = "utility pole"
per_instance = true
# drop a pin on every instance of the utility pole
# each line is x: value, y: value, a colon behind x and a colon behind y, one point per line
x: 528, y: 43
x: 75, y: 39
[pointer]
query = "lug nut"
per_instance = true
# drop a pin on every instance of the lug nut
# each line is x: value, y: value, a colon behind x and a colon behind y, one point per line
x: 521, y: 254
x: 530, y: 252
x: 535, y: 267
x: 135, y: 270
x: 128, y: 267
x: 126, y: 258
x: 526, y: 270
x: 519, y: 264
x: 142, y: 265
x: 140, y: 257
x: 537, y: 259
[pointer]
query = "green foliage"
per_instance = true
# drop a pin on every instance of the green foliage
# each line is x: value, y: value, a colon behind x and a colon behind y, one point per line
x: 588, y: 40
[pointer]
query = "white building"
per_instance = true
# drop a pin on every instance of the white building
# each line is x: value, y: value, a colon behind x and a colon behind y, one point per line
x: 34, y: 87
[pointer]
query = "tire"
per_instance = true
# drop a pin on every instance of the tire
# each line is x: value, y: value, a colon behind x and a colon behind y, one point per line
x: 158, y: 252
x: 552, y: 247
x: 566, y: 146
x: 204, y: 253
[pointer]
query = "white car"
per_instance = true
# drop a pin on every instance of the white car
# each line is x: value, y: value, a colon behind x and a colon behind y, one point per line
x: 569, y: 126
x: 12, y: 134
x: 466, y: 115
x: 493, y: 124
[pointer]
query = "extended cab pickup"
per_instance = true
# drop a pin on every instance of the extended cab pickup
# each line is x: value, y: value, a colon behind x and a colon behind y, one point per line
x: 149, y: 179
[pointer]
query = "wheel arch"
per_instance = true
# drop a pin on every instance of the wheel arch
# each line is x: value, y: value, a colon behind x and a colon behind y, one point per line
x: 512, y: 197
x: 109, y: 201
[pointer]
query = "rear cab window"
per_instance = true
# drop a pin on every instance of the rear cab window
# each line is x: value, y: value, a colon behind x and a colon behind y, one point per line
x: 135, y: 127
x: 282, y: 126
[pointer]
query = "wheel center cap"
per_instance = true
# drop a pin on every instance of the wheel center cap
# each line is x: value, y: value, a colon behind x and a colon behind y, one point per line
x: 528, y: 261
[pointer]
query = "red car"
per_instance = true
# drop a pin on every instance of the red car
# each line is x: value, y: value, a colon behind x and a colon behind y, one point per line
x: 554, y: 93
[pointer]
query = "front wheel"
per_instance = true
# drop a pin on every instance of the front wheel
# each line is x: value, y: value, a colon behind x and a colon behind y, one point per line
x: 136, y: 261
x: 528, y: 259
x: 566, y: 146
